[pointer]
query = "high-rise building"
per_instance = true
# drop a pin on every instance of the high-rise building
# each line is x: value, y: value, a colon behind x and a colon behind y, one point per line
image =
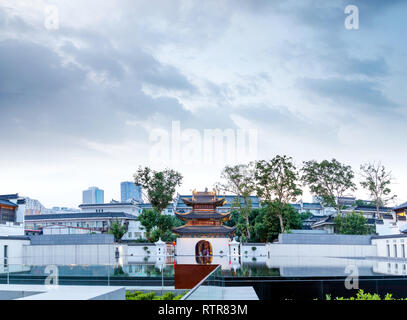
x: 93, y: 195
x: 130, y: 191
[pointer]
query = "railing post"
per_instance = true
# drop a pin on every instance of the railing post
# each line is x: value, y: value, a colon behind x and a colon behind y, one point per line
x: 108, y: 276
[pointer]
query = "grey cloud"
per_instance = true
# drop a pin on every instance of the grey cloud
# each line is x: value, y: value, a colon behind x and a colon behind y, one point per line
x: 348, y: 92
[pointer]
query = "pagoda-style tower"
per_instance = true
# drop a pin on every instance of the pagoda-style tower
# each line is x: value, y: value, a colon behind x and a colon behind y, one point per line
x: 203, y: 233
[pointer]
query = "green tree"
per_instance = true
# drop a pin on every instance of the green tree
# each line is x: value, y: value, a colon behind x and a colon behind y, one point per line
x: 377, y: 181
x: 352, y: 223
x: 158, y: 225
x: 239, y: 180
x: 159, y: 186
x: 291, y: 219
x: 277, y: 180
x: 329, y: 180
x: 264, y: 222
x: 148, y: 219
x: 117, y: 230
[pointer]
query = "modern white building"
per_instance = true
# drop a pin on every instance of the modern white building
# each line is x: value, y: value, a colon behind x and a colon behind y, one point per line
x: 92, y: 221
x: 12, y: 238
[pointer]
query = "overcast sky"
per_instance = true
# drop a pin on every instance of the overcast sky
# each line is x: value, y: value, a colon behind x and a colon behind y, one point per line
x: 78, y: 103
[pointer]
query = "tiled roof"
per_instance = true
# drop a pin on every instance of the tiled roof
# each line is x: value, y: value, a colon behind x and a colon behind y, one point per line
x: 312, y: 206
x: 401, y: 206
x: 202, y: 215
x: 7, y: 203
x: 203, y: 229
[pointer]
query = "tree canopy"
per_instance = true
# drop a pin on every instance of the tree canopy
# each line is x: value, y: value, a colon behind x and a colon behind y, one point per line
x: 158, y: 225
x: 328, y: 180
x: 377, y: 181
x: 352, y: 223
x: 239, y: 180
x: 117, y: 230
x: 276, y: 179
x: 159, y: 186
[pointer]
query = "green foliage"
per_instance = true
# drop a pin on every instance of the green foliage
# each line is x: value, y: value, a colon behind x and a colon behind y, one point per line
x: 117, y: 230
x: 291, y: 219
x: 148, y: 219
x: 159, y: 185
x: 158, y: 225
x: 276, y: 181
x: 361, y: 295
x: 328, y: 180
x: 352, y: 223
x: 264, y: 222
x: 138, y: 295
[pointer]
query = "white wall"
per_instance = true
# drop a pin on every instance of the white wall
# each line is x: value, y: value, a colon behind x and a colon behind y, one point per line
x: 261, y: 250
x: 73, y: 254
x: 321, y: 250
x: 138, y: 250
x: 15, y: 251
x: 11, y: 229
x: 382, y: 244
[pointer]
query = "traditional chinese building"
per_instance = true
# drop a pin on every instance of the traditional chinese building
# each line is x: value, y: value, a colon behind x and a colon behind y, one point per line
x: 203, y: 234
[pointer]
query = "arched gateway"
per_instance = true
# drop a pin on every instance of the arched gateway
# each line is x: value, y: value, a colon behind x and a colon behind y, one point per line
x: 203, y: 252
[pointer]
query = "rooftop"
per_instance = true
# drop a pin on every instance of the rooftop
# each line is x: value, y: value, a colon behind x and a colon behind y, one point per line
x: 401, y: 206
x: 79, y: 215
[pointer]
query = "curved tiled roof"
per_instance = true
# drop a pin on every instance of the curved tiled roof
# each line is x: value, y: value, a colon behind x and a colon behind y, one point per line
x: 204, y: 229
x: 401, y: 206
x: 7, y: 203
x: 202, y: 215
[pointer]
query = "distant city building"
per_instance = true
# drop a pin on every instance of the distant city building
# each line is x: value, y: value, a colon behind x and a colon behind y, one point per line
x: 93, y: 195
x: 33, y: 207
x: 84, y: 222
x: 130, y: 191
x: 346, y: 201
x: 63, y: 210
x: 133, y: 208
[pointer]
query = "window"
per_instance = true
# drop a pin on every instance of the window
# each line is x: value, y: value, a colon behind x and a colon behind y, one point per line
x: 388, y: 250
x: 5, y: 256
x: 403, y: 252
x: 395, y: 250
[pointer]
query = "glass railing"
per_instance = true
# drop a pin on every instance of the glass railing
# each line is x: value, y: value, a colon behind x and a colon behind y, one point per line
x: 210, y: 288
x: 134, y: 275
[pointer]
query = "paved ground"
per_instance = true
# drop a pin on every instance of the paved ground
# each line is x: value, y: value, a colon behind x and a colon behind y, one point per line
x: 42, y: 292
x: 224, y: 293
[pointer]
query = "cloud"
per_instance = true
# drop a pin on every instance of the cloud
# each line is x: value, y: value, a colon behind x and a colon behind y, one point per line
x: 349, y: 93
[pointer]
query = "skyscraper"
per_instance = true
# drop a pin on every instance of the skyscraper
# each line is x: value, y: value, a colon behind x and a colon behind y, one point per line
x: 129, y: 191
x: 93, y: 195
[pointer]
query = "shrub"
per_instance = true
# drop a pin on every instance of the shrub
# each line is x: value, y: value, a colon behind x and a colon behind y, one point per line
x: 138, y: 295
x: 361, y: 295
x: 168, y: 296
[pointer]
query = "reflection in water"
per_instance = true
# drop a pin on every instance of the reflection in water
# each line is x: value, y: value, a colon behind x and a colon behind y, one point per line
x: 235, y: 266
